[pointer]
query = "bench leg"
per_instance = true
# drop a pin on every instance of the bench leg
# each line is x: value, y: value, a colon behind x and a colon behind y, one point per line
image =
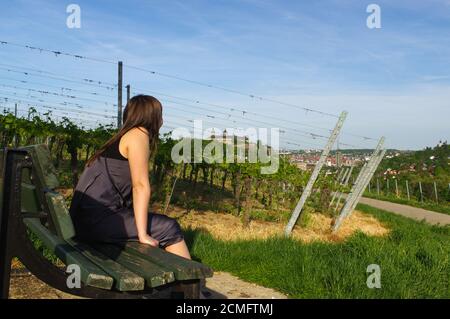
x: 5, y: 275
x: 10, y: 202
x: 187, y: 289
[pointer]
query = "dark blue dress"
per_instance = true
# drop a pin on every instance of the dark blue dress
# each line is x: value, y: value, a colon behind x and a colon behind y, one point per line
x: 102, y: 205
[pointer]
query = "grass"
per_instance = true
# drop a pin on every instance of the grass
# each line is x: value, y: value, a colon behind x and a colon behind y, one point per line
x: 414, y: 261
x: 433, y: 206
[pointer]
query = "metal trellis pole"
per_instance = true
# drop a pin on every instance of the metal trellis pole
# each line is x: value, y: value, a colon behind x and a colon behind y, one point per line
x: 308, y: 189
x: 339, y: 180
x: 350, y: 206
x: 421, y: 193
x: 341, y: 172
x: 370, y: 173
x: 363, y: 179
x: 344, y: 183
x: 396, y: 188
x: 348, y: 176
x: 436, y: 192
x: 358, y: 180
x: 407, y: 190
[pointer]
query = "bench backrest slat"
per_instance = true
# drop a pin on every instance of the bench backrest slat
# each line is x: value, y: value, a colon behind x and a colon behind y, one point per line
x: 60, y: 215
x: 2, y: 163
x: 43, y: 165
x: 46, y: 173
x: 30, y: 201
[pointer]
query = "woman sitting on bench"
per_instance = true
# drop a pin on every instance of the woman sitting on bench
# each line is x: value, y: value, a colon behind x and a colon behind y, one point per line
x: 111, y: 199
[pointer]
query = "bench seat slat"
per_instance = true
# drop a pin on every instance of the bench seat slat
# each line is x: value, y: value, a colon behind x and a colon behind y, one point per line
x: 153, y: 274
x: 124, y: 279
x: 91, y: 275
x: 183, y: 269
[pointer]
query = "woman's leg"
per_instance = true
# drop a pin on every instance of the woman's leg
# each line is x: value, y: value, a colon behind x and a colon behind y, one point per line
x: 179, y: 249
x: 168, y: 232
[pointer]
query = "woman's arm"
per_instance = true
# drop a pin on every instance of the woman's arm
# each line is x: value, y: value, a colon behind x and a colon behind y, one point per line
x: 138, y: 153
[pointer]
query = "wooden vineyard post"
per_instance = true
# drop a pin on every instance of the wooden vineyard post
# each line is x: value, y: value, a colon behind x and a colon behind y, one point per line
x: 119, y: 94
x: 15, y: 134
x: 315, y: 174
x: 128, y: 93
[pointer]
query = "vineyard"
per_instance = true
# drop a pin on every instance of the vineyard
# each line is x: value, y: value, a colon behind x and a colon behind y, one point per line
x: 418, y: 178
x: 236, y: 188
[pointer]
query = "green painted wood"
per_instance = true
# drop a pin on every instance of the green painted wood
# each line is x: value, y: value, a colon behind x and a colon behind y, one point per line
x: 1, y: 189
x: 124, y: 279
x: 60, y: 215
x: 30, y: 201
x: 183, y: 269
x: 91, y: 275
x: 26, y: 176
x: 153, y: 274
x: 2, y: 161
x: 42, y: 162
x: 46, y: 173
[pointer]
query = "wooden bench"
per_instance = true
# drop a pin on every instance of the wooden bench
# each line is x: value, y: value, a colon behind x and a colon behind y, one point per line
x: 29, y: 203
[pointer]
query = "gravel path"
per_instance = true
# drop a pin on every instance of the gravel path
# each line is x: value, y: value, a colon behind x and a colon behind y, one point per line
x: 408, y: 211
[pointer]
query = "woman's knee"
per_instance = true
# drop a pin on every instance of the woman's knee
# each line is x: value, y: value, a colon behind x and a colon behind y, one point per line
x: 164, y: 226
x: 170, y: 223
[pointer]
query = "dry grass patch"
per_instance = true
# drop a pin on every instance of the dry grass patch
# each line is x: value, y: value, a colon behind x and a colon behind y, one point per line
x: 228, y: 227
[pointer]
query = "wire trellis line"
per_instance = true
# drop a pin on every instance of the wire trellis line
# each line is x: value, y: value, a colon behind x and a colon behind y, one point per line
x: 171, y: 76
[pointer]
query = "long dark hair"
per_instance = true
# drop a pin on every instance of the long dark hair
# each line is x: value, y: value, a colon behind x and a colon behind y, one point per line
x: 140, y: 111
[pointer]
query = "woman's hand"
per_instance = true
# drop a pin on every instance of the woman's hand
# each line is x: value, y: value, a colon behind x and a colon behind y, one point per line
x: 148, y: 240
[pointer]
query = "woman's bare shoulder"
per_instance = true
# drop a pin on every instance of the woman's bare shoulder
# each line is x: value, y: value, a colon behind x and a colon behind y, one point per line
x: 136, y: 132
x: 134, y: 140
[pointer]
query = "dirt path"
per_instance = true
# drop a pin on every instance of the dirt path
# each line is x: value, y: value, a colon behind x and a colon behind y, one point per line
x: 408, y: 211
x: 224, y: 285
x: 221, y: 286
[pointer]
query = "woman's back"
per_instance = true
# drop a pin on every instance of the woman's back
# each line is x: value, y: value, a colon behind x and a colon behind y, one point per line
x: 104, y: 188
x: 113, y: 151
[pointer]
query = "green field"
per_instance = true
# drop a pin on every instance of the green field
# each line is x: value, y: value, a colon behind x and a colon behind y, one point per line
x: 414, y: 261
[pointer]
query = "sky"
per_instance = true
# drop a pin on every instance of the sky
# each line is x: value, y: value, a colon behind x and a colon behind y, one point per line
x: 394, y: 81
